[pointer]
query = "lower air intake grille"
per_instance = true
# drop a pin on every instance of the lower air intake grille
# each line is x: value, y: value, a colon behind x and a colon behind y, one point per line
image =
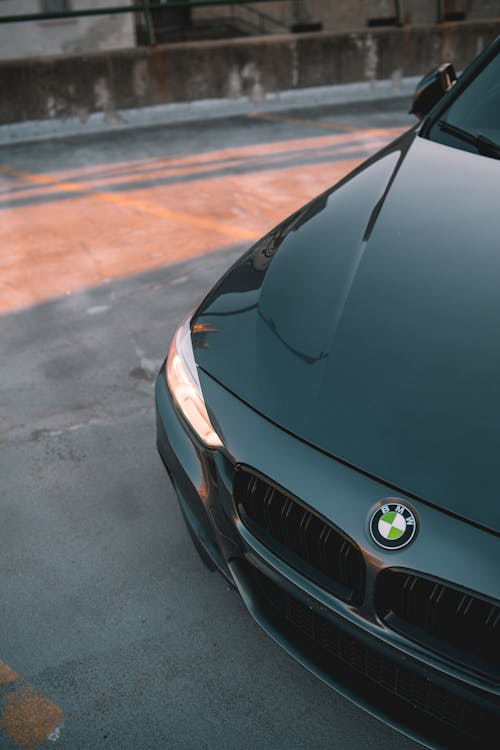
x: 461, y: 626
x: 352, y: 662
x: 295, y: 533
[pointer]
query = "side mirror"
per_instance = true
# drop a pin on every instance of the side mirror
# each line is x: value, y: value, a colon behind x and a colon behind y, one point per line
x: 432, y: 88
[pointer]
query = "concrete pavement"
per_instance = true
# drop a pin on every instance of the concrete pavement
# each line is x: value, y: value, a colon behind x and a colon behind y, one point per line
x: 113, y: 634
x: 86, y: 210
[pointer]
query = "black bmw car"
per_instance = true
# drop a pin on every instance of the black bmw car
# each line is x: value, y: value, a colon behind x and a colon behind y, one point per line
x: 330, y: 418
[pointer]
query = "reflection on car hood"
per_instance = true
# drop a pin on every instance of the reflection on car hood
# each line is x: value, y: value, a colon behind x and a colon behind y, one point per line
x: 368, y: 325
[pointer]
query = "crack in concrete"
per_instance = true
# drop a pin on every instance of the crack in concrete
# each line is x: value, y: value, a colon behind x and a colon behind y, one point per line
x: 42, y: 432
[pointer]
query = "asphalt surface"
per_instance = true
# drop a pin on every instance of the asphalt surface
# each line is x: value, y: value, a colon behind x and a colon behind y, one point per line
x: 112, y: 633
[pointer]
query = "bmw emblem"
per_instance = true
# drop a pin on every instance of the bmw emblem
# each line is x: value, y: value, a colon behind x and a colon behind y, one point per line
x: 393, y: 525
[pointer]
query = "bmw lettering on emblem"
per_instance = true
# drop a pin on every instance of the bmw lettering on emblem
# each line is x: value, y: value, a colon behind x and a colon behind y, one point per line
x: 393, y: 525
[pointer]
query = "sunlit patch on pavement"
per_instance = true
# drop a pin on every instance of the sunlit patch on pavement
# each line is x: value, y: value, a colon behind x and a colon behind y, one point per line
x: 69, y: 229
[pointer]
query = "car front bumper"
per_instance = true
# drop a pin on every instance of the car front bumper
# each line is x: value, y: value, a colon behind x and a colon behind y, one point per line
x: 418, y: 690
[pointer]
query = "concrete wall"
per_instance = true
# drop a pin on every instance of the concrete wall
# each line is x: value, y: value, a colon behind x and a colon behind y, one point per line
x: 107, y: 82
x: 64, y: 35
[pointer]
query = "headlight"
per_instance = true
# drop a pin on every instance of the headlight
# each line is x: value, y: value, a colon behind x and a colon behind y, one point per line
x: 184, y: 385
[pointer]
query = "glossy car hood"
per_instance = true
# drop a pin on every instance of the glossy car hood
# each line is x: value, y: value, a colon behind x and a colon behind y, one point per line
x: 368, y: 324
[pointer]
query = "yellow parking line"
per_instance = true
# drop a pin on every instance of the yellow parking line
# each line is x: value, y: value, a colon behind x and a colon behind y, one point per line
x: 328, y: 124
x: 7, y: 674
x: 27, y: 717
x: 200, y: 222
x: 301, y: 121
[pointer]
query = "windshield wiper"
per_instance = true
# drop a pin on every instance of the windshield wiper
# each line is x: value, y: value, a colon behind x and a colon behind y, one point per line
x: 484, y: 145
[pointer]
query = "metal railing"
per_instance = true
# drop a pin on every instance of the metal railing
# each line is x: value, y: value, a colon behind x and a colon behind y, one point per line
x: 147, y: 6
x: 256, y: 20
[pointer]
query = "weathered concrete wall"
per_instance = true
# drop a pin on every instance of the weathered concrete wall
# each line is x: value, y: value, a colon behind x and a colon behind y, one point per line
x: 64, y: 35
x: 107, y: 82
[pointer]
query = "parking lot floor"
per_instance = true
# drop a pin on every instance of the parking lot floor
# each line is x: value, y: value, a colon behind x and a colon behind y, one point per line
x: 83, y: 211
x: 113, y: 634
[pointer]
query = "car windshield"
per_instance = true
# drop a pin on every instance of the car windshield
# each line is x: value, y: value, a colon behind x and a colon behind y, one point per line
x: 476, y: 112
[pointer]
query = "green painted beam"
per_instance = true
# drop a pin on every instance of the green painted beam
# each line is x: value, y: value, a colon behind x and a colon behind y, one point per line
x: 144, y: 7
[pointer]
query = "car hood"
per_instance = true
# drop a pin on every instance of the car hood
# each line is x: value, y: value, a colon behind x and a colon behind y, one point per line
x: 368, y: 324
